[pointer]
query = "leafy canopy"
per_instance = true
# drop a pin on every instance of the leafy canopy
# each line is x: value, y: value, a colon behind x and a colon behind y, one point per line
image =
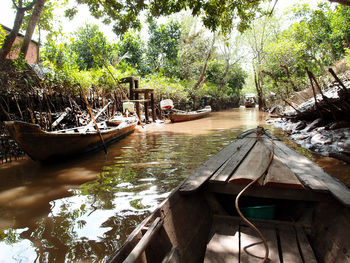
x: 217, y: 15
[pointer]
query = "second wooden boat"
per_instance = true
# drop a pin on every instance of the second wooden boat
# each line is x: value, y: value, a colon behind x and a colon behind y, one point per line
x: 178, y: 116
x: 41, y: 145
x: 301, y: 212
x: 249, y: 101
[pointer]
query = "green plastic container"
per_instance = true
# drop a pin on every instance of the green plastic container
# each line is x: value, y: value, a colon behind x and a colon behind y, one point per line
x: 262, y: 212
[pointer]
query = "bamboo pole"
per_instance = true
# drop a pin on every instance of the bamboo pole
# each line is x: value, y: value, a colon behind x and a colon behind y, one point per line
x: 337, y: 79
x: 93, y: 119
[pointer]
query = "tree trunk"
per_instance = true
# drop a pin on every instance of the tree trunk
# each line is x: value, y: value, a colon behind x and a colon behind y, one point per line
x: 288, y: 76
x: 31, y: 25
x: 258, y: 87
x: 10, y: 38
x: 222, y: 80
x: 201, y: 77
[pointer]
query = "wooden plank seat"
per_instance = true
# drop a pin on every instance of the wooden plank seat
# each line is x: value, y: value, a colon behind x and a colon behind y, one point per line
x: 231, y: 240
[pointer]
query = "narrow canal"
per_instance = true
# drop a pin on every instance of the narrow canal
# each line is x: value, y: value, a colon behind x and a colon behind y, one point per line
x: 83, y: 209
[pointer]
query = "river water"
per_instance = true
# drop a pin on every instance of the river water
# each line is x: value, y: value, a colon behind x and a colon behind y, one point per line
x: 82, y: 210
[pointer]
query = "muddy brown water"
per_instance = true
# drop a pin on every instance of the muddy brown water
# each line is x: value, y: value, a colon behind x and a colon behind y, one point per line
x: 83, y: 209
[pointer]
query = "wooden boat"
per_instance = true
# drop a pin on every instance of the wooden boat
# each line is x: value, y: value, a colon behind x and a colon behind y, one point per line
x: 178, y: 116
x: 302, y: 212
x: 41, y: 145
x: 249, y: 101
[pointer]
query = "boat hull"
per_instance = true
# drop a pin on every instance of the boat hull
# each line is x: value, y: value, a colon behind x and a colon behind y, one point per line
x: 179, y: 117
x: 249, y: 105
x: 198, y: 222
x: 42, y: 146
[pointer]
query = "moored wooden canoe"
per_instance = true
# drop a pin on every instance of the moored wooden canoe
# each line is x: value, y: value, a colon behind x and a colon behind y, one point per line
x: 180, y: 116
x: 41, y: 145
x: 302, y: 212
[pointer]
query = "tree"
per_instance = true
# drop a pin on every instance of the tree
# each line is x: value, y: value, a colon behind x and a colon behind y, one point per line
x: 257, y: 37
x: 31, y: 26
x: 193, y: 48
x: 21, y: 8
x: 216, y: 15
x: 201, y: 77
x: 163, y: 46
x: 342, y: 2
x: 91, y: 46
x: 48, y: 20
x: 131, y: 48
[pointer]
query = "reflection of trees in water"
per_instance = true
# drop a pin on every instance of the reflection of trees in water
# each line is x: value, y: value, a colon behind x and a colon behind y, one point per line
x: 131, y: 186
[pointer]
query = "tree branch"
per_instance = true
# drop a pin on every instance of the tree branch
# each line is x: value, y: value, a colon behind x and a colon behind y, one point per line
x: 342, y: 2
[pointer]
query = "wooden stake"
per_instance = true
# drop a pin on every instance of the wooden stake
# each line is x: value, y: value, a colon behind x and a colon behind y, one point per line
x: 337, y: 79
x: 314, y: 93
x: 93, y: 119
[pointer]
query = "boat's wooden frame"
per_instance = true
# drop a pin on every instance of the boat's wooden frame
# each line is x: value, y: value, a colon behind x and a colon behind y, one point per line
x: 42, y: 146
x: 249, y: 102
x: 198, y: 221
x: 180, y: 116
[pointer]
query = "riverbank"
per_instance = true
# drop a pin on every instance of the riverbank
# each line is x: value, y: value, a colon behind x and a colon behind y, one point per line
x: 313, y: 129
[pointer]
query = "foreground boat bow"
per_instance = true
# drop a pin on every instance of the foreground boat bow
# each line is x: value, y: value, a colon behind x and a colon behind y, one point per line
x: 295, y: 205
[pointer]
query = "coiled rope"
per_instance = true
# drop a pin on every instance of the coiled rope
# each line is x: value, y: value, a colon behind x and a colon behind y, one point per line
x: 259, y: 132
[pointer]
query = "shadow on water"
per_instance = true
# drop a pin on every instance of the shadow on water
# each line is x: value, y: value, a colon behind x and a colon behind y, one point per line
x: 83, y: 209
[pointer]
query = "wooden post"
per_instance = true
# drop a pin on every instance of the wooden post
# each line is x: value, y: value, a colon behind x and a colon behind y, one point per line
x: 132, y: 88
x: 146, y: 106
x: 153, y: 107
x: 138, y: 111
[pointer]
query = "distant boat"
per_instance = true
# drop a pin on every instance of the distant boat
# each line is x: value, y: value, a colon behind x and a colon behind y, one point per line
x: 41, y: 145
x: 178, y: 116
x: 249, y: 101
x: 301, y: 211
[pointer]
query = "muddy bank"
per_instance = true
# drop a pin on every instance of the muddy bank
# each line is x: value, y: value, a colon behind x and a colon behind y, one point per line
x: 321, y: 123
x: 327, y: 142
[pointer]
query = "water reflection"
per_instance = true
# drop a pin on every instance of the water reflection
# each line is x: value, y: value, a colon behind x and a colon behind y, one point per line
x: 83, y: 210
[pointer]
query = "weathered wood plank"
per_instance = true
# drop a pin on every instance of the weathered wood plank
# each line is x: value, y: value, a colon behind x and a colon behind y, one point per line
x: 222, y: 248
x: 268, y: 192
x: 207, y: 169
x: 253, y: 165
x: 173, y: 256
x: 289, y: 245
x: 310, y: 174
x: 303, y: 168
x: 308, y: 254
x: 256, y: 253
x: 231, y: 164
x: 330, y: 232
x: 223, y: 245
x: 279, y: 175
x: 141, y: 246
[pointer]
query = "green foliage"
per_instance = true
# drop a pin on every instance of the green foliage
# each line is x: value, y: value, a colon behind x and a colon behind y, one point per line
x: 216, y: 15
x: 2, y: 36
x: 20, y: 63
x: 91, y: 47
x: 323, y: 31
x: 230, y: 84
x: 163, y: 47
x: 315, y: 39
x: 165, y: 88
x: 347, y: 57
x: 48, y: 15
x: 131, y: 49
x: 193, y: 49
x: 236, y: 80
